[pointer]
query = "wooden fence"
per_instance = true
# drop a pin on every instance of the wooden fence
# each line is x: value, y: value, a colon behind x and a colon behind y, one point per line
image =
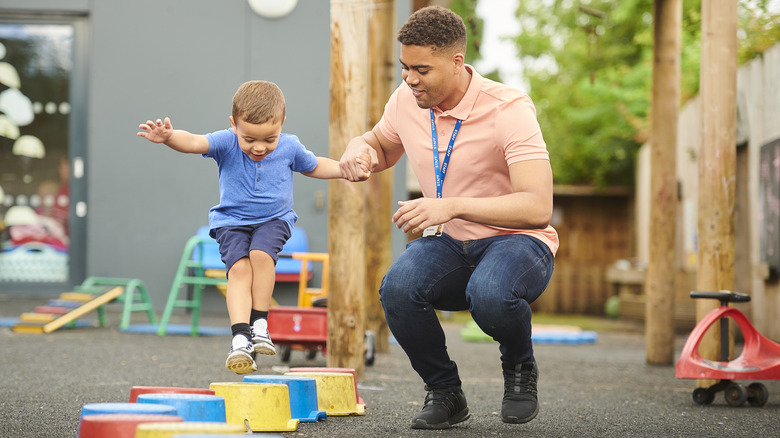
x: 595, y: 229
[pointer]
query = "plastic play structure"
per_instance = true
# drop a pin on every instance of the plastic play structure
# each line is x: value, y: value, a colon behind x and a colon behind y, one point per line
x: 91, y: 295
x: 200, y: 265
x: 759, y: 359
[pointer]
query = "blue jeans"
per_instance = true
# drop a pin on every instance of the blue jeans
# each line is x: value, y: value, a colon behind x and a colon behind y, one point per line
x: 495, y: 279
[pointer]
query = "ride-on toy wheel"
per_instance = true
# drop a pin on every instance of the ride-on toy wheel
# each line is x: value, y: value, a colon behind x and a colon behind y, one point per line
x: 285, y: 351
x: 735, y: 394
x: 702, y: 397
x: 757, y: 394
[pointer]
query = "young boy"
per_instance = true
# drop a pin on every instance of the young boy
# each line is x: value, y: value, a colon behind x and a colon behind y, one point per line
x: 254, y: 217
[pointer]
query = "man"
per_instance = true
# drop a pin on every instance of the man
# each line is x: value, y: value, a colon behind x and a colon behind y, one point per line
x: 487, y: 245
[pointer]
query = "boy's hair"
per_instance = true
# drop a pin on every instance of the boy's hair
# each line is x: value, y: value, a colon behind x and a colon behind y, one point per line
x: 258, y: 102
x: 434, y: 26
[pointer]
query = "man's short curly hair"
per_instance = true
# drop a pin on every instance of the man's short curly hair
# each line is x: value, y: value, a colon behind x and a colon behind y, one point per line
x: 434, y: 26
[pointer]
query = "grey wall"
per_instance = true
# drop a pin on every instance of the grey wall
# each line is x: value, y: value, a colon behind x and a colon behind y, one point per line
x: 184, y: 59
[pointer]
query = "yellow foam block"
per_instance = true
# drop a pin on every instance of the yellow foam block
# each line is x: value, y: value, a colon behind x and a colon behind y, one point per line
x: 263, y: 407
x: 335, y: 393
x: 77, y: 296
x: 168, y: 430
x: 37, y: 317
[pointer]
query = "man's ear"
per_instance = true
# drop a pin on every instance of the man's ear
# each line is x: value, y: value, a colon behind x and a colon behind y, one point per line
x: 232, y: 124
x: 458, y: 60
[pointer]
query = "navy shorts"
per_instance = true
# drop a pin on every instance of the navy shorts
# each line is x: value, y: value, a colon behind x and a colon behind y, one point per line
x: 236, y: 242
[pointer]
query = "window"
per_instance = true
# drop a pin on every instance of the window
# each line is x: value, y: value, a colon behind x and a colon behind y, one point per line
x: 36, y: 63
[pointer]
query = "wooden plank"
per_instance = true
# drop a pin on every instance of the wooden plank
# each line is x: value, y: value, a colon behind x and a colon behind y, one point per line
x: 84, y: 309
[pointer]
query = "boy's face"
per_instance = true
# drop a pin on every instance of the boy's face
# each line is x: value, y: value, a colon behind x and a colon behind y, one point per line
x: 257, y: 140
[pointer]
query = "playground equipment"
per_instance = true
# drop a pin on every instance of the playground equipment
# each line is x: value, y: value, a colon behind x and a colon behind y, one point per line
x: 91, y: 295
x: 305, y: 327
x: 200, y: 265
x: 759, y: 359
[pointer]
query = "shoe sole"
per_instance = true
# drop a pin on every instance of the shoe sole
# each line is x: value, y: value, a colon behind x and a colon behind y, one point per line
x: 455, y: 419
x: 241, y: 364
x: 515, y: 420
x: 262, y: 347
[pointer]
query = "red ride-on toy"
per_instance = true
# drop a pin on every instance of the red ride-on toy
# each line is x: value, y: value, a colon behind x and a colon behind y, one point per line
x: 760, y: 357
x: 305, y: 327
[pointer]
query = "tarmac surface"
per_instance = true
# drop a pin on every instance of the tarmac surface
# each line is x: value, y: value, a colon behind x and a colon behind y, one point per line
x: 601, y: 389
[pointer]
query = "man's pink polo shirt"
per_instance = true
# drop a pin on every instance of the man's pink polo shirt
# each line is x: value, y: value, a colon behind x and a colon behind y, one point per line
x: 499, y: 128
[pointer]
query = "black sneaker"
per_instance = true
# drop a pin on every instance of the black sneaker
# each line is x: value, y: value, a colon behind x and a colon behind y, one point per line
x: 520, y: 404
x: 442, y: 409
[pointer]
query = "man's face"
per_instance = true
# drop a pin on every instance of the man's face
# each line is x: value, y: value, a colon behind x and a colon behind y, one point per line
x: 257, y: 140
x: 429, y: 75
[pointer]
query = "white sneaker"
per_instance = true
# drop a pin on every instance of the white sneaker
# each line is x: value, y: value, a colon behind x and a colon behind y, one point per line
x: 240, y: 360
x: 260, y: 338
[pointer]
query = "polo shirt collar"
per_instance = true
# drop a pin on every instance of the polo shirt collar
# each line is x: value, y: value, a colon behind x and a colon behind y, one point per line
x: 463, y: 108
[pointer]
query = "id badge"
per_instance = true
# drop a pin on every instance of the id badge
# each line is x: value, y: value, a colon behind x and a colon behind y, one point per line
x: 433, y: 230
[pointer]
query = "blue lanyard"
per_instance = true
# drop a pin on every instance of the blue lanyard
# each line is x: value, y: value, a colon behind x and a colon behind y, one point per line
x: 441, y: 172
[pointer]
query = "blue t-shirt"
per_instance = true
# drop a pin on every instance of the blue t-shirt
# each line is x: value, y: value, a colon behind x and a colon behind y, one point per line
x: 251, y: 192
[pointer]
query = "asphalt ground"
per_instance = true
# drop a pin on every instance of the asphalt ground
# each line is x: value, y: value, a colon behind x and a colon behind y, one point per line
x: 601, y: 389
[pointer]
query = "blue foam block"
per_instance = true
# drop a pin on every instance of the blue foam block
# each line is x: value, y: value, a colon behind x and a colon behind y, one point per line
x: 178, y: 329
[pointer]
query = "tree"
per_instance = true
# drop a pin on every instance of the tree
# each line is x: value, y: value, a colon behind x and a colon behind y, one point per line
x: 589, y: 68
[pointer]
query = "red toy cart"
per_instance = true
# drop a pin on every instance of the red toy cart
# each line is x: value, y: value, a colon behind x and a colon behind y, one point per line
x: 759, y: 359
x: 305, y: 327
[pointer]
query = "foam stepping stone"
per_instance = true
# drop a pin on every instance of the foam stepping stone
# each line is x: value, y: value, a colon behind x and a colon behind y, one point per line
x: 335, y: 393
x: 169, y: 430
x: 135, y: 391
x: 58, y: 302
x: 359, y: 400
x: 190, y: 407
x: 303, y: 395
x: 126, y: 408
x: 262, y: 407
x: 212, y: 435
x: 119, y: 425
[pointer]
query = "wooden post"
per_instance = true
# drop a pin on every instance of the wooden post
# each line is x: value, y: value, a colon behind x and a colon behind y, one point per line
x: 717, y: 159
x: 346, y: 229
x: 660, y: 284
x: 379, y: 188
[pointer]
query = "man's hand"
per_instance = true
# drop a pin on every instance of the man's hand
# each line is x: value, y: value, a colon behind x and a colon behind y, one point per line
x: 358, y: 160
x: 157, y: 132
x: 418, y: 214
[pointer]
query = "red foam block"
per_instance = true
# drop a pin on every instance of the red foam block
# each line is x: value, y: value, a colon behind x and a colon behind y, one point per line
x: 119, y: 425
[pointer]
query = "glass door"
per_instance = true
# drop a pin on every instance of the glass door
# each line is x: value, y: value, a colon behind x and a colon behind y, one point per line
x: 39, y: 163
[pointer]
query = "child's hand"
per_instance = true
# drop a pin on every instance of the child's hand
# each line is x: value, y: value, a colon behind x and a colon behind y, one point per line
x: 364, y: 161
x: 157, y: 132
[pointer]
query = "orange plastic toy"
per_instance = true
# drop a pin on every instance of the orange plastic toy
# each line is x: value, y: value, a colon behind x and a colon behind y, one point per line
x: 759, y: 359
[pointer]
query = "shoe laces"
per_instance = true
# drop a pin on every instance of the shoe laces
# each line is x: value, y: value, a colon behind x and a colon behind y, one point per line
x: 522, y: 379
x: 440, y: 397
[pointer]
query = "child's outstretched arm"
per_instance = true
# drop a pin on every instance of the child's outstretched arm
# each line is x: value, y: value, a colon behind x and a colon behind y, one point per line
x: 161, y: 131
x: 328, y: 168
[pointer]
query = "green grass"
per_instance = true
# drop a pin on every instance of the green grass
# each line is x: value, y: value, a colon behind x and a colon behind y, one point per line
x: 585, y: 322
